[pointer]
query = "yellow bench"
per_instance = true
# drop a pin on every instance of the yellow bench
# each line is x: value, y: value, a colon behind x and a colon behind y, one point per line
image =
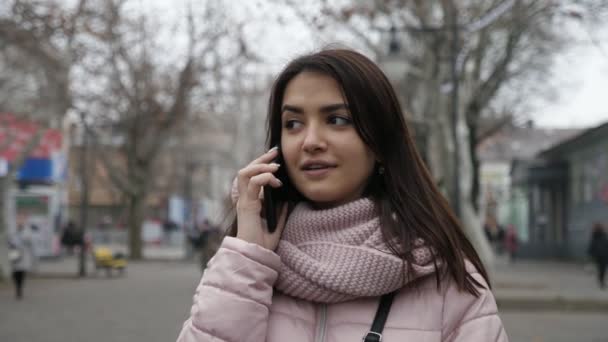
x: 106, y: 259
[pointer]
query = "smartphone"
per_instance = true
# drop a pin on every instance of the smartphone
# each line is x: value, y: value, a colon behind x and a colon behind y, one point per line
x: 274, y: 197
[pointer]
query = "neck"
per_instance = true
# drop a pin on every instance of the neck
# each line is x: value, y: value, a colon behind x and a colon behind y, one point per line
x: 332, y: 205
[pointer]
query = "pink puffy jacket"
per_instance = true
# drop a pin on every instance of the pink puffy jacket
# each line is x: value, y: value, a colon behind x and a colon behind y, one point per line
x: 235, y: 302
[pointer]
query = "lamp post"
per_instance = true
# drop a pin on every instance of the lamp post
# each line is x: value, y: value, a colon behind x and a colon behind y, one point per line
x: 190, y: 168
x: 396, y: 67
x: 84, y: 195
x: 393, y: 64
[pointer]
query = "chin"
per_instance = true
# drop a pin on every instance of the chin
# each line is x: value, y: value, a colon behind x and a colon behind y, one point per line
x: 319, y: 196
x: 324, y: 199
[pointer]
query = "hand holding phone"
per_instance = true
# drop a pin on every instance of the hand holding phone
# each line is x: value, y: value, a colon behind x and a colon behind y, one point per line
x: 273, y: 197
x: 260, y: 176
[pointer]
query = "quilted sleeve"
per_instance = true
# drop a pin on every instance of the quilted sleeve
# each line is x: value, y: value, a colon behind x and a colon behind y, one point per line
x: 233, y: 299
x: 467, y: 318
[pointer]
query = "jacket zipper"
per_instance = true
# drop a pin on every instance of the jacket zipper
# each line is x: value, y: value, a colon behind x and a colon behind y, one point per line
x: 321, y: 324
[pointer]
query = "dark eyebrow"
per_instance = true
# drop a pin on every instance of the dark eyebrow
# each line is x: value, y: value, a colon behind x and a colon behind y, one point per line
x: 333, y: 107
x: 325, y: 109
x: 289, y: 108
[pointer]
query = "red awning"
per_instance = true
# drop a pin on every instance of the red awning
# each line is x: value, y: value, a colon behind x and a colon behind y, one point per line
x: 20, y: 131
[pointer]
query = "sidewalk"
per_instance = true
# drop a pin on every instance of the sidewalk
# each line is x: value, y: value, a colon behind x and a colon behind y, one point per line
x: 524, y: 285
x: 547, y: 285
x: 67, y: 266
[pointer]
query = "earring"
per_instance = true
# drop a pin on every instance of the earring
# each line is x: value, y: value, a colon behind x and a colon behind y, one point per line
x: 381, y: 170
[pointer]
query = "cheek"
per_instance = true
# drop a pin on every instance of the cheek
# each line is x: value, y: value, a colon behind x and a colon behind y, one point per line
x: 367, y: 169
x: 365, y: 157
x: 367, y: 165
x: 289, y: 153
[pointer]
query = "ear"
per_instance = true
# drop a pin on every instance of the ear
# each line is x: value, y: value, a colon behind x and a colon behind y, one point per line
x: 378, y: 157
x: 379, y: 163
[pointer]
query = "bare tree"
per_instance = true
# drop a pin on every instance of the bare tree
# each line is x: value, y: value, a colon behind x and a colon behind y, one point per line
x: 142, y: 95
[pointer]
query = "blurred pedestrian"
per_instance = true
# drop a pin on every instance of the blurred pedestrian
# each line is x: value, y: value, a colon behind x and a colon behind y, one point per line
x: 169, y: 226
x: 193, y: 235
x: 360, y: 226
x: 71, y: 237
x: 495, y: 234
x: 511, y: 242
x: 598, y: 250
x: 205, y: 230
x: 21, y: 254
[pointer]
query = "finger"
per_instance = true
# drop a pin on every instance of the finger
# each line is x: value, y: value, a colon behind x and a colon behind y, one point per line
x: 256, y: 183
x: 256, y: 169
x: 266, y: 157
x: 249, y: 171
x: 263, y: 179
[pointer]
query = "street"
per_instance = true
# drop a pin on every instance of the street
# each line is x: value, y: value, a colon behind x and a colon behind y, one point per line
x: 149, y: 304
x: 555, y: 326
x: 153, y: 300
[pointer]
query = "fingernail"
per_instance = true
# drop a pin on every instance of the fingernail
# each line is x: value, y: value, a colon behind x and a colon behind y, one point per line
x: 280, y: 183
x: 275, y: 165
x: 273, y: 148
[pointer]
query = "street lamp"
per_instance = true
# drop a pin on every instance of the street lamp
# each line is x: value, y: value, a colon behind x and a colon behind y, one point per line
x: 393, y: 63
x: 84, y: 195
x: 396, y: 67
x: 394, y: 46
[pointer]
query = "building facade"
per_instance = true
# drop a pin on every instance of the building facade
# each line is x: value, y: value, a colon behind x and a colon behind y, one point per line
x: 567, y: 190
x: 503, y: 195
x: 38, y: 199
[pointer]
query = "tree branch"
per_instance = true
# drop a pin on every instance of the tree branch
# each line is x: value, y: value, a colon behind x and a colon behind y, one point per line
x: 116, y: 175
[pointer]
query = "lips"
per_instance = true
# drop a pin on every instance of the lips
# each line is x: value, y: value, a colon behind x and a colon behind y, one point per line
x: 313, y: 165
x: 317, y: 169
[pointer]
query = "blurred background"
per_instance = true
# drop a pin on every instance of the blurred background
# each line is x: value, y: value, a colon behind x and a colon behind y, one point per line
x: 123, y: 123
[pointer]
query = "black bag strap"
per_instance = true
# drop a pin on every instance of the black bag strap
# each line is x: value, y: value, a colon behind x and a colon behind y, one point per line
x: 375, y: 333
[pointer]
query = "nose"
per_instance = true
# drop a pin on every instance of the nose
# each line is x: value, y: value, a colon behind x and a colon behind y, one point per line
x: 314, y: 140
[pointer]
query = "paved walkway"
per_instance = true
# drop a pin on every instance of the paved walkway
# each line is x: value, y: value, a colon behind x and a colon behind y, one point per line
x: 152, y: 300
x: 544, y: 285
x: 68, y: 265
x: 149, y: 303
x: 530, y: 285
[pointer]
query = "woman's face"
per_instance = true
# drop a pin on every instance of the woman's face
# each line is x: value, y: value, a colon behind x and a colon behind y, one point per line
x: 325, y: 157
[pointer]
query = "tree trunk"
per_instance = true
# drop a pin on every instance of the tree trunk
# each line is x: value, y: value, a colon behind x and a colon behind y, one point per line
x: 84, y: 200
x: 469, y: 217
x: 472, y: 142
x: 474, y: 231
x: 135, y: 218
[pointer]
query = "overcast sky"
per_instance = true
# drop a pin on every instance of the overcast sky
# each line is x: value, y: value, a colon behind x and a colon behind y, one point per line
x: 580, y: 76
x: 580, y: 73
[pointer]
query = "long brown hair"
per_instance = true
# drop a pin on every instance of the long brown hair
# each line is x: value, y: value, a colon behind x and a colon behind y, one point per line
x: 409, y: 203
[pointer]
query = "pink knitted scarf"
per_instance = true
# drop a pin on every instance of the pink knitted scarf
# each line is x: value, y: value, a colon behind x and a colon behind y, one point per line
x: 339, y: 254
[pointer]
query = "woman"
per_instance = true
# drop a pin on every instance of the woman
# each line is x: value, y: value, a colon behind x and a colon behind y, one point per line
x: 361, y: 223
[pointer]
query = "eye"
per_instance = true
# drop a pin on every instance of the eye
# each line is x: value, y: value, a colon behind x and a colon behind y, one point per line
x: 292, y: 124
x: 339, y: 120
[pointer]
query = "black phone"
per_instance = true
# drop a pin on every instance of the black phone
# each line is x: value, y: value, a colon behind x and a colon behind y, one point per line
x: 274, y: 197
